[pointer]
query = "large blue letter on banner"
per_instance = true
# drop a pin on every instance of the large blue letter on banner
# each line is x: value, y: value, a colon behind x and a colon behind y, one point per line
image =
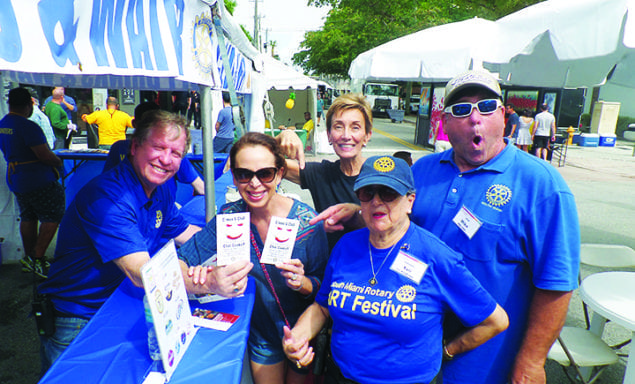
x: 157, y: 44
x: 10, y: 43
x: 107, y: 18
x: 51, y: 13
x: 174, y: 10
x: 137, y: 36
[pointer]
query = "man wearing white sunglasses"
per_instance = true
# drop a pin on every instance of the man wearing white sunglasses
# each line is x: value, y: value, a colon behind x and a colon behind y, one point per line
x: 514, y: 220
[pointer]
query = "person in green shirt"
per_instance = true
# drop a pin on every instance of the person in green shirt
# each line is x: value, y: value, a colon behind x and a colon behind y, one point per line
x: 58, y: 117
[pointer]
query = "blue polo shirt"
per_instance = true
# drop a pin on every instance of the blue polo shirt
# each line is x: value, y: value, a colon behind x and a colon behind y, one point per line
x: 25, y: 173
x: 529, y: 237
x: 109, y: 218
x: 392, y: 332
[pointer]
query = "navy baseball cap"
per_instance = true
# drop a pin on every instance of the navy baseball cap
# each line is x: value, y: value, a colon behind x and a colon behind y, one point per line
x: 388, y: 171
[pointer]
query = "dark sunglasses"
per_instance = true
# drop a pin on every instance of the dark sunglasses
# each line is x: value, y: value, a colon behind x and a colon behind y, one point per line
x: 485, y: 107
x: 265, y: 175
x: 366, y: 194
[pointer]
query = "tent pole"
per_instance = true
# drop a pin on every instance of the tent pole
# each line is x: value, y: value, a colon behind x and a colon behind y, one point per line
x: 208, y: 153
x: 240, y: 130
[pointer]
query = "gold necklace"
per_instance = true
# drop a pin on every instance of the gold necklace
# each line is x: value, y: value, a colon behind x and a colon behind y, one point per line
x: 373, y: 280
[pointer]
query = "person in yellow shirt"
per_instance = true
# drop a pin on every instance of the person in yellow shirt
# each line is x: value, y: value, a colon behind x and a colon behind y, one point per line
x: 112, y: 123
x: 308, y: 125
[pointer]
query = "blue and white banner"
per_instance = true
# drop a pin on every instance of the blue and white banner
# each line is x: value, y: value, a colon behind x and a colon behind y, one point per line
x: 135, y: 44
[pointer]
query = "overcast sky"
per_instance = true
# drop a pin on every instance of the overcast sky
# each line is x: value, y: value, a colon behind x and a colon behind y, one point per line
x: 283, y: 21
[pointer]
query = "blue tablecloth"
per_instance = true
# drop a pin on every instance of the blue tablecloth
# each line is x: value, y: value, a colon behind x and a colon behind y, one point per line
x: 113, y: 347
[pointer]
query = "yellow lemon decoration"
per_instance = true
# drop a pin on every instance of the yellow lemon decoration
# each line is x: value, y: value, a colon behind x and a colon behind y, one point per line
x: 384, y: 164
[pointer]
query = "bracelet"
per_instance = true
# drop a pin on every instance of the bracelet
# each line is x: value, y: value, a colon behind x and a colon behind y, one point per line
x: 300, y: 287
x: 447, y: 355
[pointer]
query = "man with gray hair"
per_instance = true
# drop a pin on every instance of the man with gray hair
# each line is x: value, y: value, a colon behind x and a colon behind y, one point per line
x: 116, y: 222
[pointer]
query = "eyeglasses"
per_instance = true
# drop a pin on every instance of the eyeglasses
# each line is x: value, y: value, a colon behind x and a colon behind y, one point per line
x: 386, y: 194
x: 265, y: 175
x: 485, y: 107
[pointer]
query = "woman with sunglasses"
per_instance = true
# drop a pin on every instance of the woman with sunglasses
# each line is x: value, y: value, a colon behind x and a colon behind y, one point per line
x: 349, y: 123
x: 284, y: 290
x: 387, y: 288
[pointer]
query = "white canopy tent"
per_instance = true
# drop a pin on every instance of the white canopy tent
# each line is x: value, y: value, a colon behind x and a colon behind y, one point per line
x: 132, y: 44
x: 554, y: 43
x: 280, y: 81
x: 433, y: 54
x: 568, y: 44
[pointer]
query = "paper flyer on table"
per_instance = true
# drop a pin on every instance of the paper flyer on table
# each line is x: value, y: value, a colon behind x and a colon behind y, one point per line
x: 280, y: 240
x: 232, y: 238
x: 164, y: 286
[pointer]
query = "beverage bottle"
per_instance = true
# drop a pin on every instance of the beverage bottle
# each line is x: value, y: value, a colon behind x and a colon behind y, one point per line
x: 153, y: 343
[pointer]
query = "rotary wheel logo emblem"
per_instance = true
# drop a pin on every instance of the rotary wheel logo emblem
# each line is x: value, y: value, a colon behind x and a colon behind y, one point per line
x: 406, y: 294
x: 159, y: 219
x: 202, y: 44
x: 384, y: 164
x: 498, y: 195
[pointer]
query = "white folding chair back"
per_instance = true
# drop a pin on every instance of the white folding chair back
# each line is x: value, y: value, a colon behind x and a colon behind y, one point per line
x: 607, y: 255
x: 579, y: 348
x: 611, y: 256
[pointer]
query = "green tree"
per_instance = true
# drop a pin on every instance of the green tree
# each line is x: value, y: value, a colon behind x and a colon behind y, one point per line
x: 355, y: 26
x: 230, y: 5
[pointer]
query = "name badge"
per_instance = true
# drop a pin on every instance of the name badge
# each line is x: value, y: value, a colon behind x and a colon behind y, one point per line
x: 409, y: 266
x: 467, y: 222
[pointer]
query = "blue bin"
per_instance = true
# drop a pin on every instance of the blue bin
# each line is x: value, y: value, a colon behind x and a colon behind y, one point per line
x: 589, y: 140
x: 607, y: 141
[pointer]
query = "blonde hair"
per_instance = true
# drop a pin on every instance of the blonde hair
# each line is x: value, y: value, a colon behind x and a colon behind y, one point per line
x: 351, y: 101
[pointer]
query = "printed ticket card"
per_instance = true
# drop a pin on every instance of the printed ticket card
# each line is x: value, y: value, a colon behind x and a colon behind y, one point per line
x: 280, y: 240
x: 232, y: 238
x: 213, y: 319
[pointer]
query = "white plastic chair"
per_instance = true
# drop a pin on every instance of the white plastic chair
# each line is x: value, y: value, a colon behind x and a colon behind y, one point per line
x: 579, y: 348
x: 606, y: 256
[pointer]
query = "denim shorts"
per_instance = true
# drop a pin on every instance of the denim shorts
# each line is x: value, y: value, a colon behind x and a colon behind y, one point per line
x: 263, y: 352
x: 66, y: 329
x: 46, y: 204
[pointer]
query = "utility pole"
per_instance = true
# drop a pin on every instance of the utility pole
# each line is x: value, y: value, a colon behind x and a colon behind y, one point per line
x: 256, y: 26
